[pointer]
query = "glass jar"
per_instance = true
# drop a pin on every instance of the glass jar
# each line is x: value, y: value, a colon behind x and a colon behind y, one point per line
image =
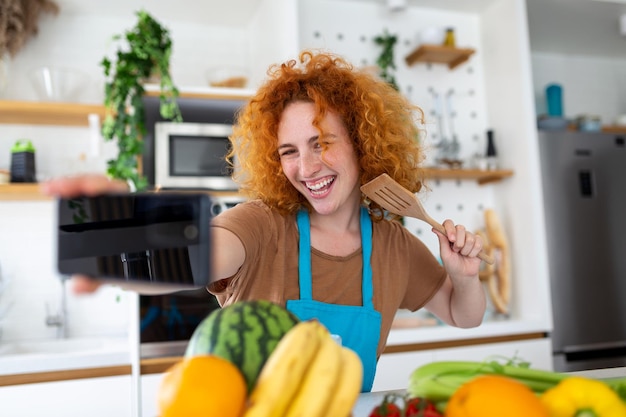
x: 449, y: 39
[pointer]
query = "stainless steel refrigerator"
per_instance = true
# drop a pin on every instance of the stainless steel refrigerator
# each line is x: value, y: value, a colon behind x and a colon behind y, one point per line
x: 584, y: 187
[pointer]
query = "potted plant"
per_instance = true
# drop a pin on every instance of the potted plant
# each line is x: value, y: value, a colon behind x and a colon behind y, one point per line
x: 147, y: 54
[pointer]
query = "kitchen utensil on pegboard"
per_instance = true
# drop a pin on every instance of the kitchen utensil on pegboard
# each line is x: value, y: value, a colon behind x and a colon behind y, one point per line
x: 393, y: 197
x: 455, y: 146
x: 497, y: 276
x: 443, y: 145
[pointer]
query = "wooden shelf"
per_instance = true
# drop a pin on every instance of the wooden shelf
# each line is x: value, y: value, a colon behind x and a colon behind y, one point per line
x: 30, y: 192
x: 77, y: 114
x: 214, y: 93
x: 439, y: 54
x: 482, y: 177
x: 48, y: 113
x: 614, y: 129
x: 21, y: 192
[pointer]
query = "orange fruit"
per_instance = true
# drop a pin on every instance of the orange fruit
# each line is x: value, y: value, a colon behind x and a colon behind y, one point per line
x: 203, y: 385
x: 494, y: 396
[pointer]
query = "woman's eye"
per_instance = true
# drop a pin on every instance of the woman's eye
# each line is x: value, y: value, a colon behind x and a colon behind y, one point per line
x: 322, y: 145
x: 286, y: 152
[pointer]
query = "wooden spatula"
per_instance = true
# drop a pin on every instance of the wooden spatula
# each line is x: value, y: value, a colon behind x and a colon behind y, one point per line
x: 398, y: 200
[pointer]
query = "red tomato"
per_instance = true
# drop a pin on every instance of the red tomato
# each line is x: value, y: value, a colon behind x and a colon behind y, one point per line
x: 421, y: 407
x: 387, y: 408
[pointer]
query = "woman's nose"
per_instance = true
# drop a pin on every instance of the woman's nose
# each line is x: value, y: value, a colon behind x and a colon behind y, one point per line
x: 310, y: 164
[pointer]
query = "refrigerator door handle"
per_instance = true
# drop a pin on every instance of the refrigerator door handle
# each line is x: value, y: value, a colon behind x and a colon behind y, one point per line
x: 594, y: 351
x: 594, y: 346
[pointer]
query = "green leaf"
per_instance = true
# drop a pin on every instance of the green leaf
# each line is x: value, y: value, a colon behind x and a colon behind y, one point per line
x: 386, y: 58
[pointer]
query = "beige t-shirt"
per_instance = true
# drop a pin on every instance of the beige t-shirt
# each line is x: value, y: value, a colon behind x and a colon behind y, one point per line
x: 405, y: 273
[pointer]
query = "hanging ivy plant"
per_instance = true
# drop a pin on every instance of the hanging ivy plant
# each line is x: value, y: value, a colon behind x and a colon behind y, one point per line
x: 385, y: 60
x: 147, y: 52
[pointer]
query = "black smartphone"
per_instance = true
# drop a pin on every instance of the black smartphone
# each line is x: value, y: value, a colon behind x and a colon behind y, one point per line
x: 146, y: 239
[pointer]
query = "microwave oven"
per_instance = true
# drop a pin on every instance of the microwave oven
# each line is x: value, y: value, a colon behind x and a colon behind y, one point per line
x: 192, y: 156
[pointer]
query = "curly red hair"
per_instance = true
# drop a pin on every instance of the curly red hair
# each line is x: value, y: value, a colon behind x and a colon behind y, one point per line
x: 381, y: 122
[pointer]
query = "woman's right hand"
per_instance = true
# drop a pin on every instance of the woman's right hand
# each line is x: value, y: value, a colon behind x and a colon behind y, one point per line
x: 68, y: 187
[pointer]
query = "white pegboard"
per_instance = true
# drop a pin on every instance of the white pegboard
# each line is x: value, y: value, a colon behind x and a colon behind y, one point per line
x: 349, y: 27
x: 463, y: 202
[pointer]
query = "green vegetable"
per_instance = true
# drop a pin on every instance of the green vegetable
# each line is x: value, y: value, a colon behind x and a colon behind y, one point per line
x: 244, y: 333
x: 437, y: 381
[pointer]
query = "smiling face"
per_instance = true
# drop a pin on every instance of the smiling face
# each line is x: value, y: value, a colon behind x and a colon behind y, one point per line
x: 323, y: 169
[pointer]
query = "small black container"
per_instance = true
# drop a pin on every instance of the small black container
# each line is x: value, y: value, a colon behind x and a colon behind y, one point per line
x: 23, y: 162
x: 492, y: 160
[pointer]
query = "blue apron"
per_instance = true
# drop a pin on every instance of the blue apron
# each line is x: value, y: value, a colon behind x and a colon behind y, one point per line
x: 358, y: 326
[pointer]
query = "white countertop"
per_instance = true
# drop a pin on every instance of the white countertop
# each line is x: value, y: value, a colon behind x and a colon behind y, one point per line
x: 62, y: 354
x: 607, y: 373
x: 444, y: 333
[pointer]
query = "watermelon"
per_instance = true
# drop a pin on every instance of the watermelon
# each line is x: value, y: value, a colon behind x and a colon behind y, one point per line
x: 244, y: 333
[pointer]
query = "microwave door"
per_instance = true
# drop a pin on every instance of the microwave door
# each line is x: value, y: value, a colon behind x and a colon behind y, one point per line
x: 192, y: 155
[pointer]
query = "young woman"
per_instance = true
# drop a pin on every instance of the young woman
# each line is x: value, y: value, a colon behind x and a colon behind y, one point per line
x: 307, y: 238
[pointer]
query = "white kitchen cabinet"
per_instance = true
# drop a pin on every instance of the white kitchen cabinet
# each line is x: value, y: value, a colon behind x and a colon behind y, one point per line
x: 537, y: 352
x: 93, y: 397
x: 394, y: 369
x: 149, y: 390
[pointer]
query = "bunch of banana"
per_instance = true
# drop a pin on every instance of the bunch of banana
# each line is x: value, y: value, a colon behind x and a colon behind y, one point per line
x: 307, y: 375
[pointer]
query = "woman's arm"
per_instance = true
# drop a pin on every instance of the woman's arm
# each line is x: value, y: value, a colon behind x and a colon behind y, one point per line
x: 461, y: 300
x: 228, y: 253
x: 91, y: 184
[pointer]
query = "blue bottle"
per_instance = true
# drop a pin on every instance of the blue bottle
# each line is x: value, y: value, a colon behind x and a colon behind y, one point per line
x: 554, y: 97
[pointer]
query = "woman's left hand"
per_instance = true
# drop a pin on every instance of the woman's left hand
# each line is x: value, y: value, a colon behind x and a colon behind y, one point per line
x: 459, y: 250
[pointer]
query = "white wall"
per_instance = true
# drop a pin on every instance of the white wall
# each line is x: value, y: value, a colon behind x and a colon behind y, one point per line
x: 81, y: 41
x: 591, y: 85
x: 323, y: 26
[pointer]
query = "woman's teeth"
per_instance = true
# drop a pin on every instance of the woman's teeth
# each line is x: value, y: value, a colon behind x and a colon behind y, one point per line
x: 319, y: 185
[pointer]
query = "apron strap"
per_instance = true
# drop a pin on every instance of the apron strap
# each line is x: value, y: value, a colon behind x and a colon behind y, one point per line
x: 304, y: 264
x: 366, y: 248
x: 304, y: 261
